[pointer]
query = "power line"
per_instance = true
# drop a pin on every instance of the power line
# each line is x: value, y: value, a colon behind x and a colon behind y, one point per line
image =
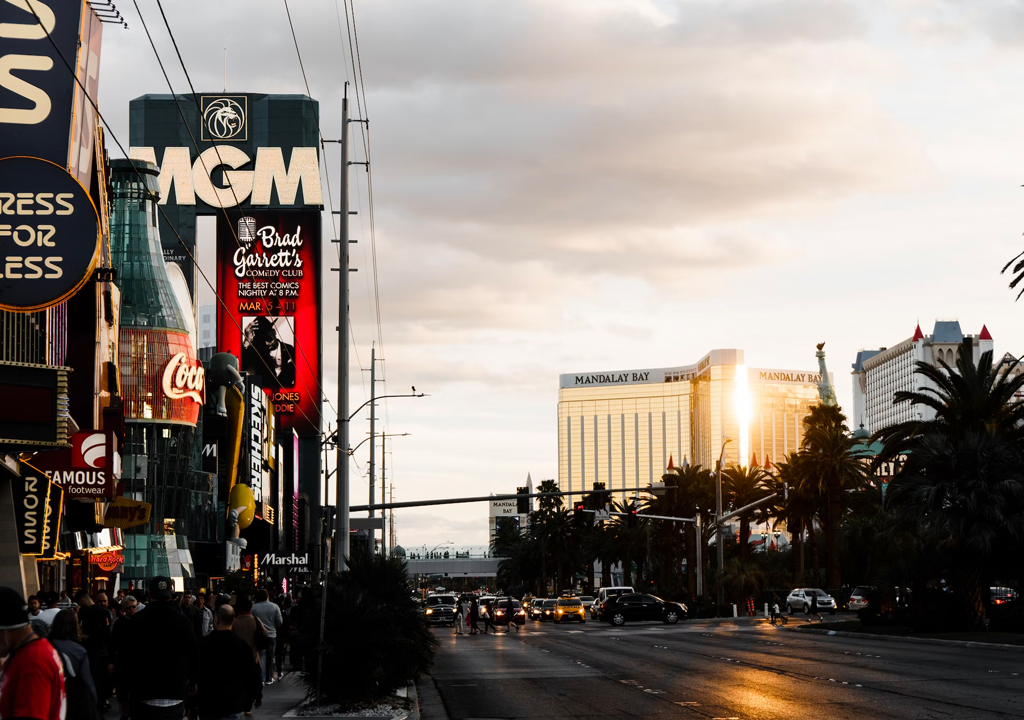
x: 195, y: 145
x: 131, y: 162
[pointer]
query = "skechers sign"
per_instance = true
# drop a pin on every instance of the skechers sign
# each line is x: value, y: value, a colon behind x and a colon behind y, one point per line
x: 49, y: 234
x: 195, y: 178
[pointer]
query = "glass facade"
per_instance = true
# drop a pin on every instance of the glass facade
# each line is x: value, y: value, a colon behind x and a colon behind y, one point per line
x: 621, y: 428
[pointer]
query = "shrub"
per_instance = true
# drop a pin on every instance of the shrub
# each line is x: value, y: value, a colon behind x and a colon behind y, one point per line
x: 375, y: 637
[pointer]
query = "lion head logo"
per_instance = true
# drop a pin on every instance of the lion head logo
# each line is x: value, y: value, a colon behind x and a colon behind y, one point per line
x: 224, y: 119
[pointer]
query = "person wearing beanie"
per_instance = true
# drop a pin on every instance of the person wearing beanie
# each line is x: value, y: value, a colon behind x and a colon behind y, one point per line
x: 32, y: 684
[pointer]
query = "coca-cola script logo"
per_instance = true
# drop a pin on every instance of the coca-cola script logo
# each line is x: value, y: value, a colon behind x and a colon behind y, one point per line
x: 182, y: 379
x: 280, y: 255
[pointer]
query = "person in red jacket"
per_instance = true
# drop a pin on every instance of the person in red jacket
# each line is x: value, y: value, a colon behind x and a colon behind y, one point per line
x: 32, y: 684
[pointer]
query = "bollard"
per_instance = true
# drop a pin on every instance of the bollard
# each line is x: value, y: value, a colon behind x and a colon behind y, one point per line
x: 766, y: 609
x: 734, y: 610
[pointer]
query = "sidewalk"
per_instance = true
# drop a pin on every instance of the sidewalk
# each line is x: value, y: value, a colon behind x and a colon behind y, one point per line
x: 280, y: 697
x: 854, y: 628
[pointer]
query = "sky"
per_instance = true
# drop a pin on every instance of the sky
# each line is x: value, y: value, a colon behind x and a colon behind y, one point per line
x: 586, y: 185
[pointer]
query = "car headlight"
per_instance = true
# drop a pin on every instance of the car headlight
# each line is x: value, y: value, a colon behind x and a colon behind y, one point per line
x: 429, y: 611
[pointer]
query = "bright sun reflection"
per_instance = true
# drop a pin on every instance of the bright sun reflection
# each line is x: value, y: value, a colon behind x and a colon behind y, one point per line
x: 743, y: 413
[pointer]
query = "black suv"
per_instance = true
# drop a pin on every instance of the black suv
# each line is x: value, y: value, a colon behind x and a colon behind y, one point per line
x: 635, y: 607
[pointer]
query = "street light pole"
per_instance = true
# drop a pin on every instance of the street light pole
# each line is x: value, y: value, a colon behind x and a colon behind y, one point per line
x: 342, y: 523
x: 719, y: 541
x: 373, y: 445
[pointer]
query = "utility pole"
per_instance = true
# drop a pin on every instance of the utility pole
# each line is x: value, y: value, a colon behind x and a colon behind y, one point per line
x: 373, y: 445
x: 341, y: 493
x: 719, y: 539
x: 383, y: 490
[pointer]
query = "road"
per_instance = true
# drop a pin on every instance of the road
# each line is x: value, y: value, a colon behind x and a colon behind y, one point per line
x: 706, y: 669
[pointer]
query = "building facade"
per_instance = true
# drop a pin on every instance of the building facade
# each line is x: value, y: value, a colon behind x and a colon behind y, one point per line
x: 621, y: 427
x: 879, y: 374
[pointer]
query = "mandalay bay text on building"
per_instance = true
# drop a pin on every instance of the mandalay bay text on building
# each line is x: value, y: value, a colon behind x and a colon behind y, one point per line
x: 621, y: 427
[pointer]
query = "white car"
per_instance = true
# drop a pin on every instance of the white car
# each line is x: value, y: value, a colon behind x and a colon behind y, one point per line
x: 859, y: 598
x: 800, y: 599
x: 607, y: 592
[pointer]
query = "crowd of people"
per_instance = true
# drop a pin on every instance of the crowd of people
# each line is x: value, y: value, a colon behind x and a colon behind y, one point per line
x: 148, y: 656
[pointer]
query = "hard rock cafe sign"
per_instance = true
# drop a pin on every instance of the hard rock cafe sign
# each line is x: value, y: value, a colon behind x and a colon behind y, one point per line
x: 184, y: 378
x: 107, y: 561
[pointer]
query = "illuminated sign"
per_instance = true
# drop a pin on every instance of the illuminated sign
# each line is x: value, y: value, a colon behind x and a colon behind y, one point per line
x: 126, y: 513
x: 184, y: 378
x: 268, y: 266
x: 190, y: 179
x: 107, y: 561
x: 37, y: 90
x: 291, y: 560
x: 88, y: 470
x: 50, y: 233
x: 51, y: 522
x: 31, y: 493
x: 255, y: 438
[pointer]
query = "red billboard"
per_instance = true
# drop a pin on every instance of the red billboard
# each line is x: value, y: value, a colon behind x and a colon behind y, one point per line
x: 268, y: 275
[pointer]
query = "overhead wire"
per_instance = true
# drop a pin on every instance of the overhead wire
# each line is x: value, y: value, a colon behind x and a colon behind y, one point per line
x: 131, y: 162
x: 227, y: 219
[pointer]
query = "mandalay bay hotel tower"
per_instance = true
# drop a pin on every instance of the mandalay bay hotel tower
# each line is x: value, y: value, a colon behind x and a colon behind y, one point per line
x: 622, y: 427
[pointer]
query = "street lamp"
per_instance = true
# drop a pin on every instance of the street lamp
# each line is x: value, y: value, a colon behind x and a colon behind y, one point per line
x: 446, y: 542
x: 720, y: 545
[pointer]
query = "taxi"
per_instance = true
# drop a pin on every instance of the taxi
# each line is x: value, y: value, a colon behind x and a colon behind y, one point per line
x: 570, y: 608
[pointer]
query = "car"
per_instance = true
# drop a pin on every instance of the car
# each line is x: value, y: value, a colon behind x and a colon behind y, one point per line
x: 800, y: 599
x: 605, y: 593
x: 570, y: 608
x: 547, y: 610
x: 508, y: 610
x: 588, y: 603
x: 859, y: 598
x: 440, y: 609
x: 1002, y: 595
x: 527, y: 601
x: 638, y: 606
x: 482, y: 604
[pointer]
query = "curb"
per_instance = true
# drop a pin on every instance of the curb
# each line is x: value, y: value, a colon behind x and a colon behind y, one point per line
x: 906, y: 638
x: 414, y: 713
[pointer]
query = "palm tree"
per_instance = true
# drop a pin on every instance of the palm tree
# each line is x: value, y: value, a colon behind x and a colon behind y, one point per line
x: 690, y: 489
x: 746, y: 485
x: 963, y: 477
x: 829, y: 466
x: 549, y: 503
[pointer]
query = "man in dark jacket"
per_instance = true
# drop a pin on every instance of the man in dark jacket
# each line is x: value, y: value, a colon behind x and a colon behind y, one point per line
x: 165, y: 657
x: 95, y: 620
x: 229, y: 677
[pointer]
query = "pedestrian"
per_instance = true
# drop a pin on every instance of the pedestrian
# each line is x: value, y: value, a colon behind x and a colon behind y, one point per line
x: 82, y: 699
x: 301, y: 618
x: 489, y: 618
x: 118, y: 638
x: 270, y: 615
x: 206, y: 616
x: 474, y: 616
x: 96, y: 620
x: 33, y: 606
x: 229, y: 677
x: 775, y: 608
x: 458, y: 617
x: 159, y: 659
x: 47, y: 614
x: 32, y: 684
x: 284, y: 634
x: 246, y: 626
x: 812, y: 608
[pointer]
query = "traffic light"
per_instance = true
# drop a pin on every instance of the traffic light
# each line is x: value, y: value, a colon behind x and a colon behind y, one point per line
x: 631, y: 519
x: 522, y: 503
x: 577, y: 510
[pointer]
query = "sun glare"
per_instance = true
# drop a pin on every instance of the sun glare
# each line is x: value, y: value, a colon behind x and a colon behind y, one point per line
x: 743, y: 413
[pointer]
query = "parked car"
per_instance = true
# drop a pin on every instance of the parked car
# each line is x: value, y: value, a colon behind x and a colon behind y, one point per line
x: 508, y: 610
x: 635, y: 607
x: 440, y: 610
x: 859, y: 598
x: 605, y: 593
x: 800, y: 600
x: 547, y: 610
x: 569, y: 609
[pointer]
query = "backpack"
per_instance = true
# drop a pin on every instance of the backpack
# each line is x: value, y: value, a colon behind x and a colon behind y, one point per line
x: 80, y: 705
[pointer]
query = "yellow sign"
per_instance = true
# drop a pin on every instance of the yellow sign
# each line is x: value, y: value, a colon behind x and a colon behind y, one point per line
x: 127, y: 513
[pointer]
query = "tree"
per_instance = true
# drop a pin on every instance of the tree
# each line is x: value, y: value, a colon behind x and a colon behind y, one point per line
x: 746, y: 485
x: 962, y: 479
x: 690, y: 489
x: 828, y: 465
x: 549, y: 503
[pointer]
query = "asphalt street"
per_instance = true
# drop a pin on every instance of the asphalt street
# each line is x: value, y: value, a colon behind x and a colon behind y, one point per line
x: 707, y: 669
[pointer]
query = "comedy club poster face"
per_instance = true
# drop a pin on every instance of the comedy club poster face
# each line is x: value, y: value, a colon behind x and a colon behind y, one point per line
x: 268, y: 266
